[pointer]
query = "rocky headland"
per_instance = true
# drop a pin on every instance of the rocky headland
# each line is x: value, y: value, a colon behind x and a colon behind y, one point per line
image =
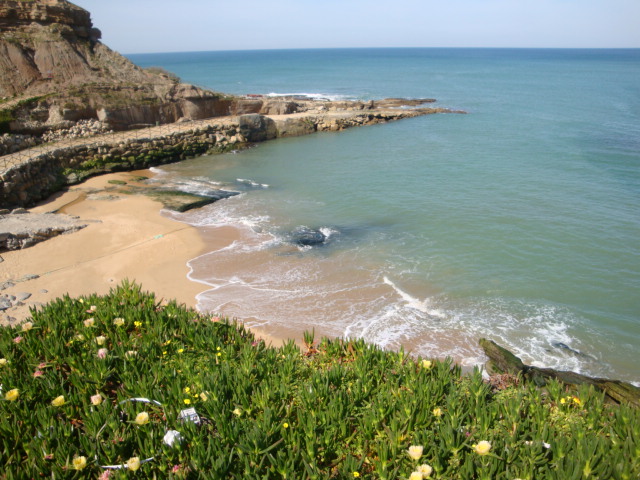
x: 71, y: 108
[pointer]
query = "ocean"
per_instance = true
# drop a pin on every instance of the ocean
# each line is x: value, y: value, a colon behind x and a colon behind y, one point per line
x: 518, y: 222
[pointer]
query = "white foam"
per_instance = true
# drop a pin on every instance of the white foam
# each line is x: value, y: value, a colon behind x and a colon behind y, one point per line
x: 252, y: 183
x: 413, y: 302
x: 312, y: 96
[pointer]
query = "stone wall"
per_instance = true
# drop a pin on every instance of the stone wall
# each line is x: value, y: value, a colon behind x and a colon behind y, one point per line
x: 51, y: 170
x: 37, y: 175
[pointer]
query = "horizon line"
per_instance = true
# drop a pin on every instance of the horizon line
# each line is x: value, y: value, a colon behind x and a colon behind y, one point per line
x: 377, y: 48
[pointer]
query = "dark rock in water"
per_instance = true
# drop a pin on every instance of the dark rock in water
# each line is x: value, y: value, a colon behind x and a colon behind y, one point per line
x: 502, y: 360
x: 564, y: 346
x: 307, y: 237
x: 180, y: 201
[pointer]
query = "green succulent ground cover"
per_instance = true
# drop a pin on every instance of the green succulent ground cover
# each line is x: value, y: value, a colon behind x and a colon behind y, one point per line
x: 342, y: 409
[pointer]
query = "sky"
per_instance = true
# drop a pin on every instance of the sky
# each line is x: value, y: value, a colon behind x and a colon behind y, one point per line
x: 146, y: 26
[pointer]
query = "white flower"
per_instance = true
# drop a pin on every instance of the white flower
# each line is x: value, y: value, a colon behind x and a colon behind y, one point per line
x: 101, y: 339
x: 425, y: 470
x: 96, y: 399
x: 118, y: 322
x: 133, y: 464
x: 89, y: 322
x: 415, y: 451
x: 415, y: 476
x: 482, y: 448
x: 3, y: 362
x: 142, y: 418
x: 26, y: 326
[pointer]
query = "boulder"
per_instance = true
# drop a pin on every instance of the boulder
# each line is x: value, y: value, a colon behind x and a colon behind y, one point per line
x: 256, y: 128
x: 307, y: 237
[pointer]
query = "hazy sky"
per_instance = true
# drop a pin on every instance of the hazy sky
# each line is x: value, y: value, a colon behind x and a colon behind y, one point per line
x: 137, y: 26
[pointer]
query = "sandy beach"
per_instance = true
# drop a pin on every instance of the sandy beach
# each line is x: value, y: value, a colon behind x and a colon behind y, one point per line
x: 126, y: 237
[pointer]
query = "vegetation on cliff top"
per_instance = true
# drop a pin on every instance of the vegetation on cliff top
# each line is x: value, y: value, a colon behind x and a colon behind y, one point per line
x: 104, y: 381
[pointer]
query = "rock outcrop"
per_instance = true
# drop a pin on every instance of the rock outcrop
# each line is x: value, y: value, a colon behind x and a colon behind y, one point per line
x: 503, y: 361
x: 55, y: 71
x: 20, y: 229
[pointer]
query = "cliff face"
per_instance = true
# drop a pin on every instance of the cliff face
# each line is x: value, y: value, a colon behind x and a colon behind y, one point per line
x: 55, y: 71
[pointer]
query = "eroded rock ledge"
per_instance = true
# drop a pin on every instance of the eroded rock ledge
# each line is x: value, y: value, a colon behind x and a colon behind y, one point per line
x: 502, y: 361
x: 31, y: 175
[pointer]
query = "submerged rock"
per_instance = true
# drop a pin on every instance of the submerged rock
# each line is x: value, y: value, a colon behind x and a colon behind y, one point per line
x: 307, y: 237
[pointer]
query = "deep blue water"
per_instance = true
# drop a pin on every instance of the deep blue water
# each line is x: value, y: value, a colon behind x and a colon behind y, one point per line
x: 518, y: 221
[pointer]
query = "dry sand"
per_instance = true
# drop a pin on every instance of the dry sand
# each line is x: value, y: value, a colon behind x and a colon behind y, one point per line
x: 126, y: 238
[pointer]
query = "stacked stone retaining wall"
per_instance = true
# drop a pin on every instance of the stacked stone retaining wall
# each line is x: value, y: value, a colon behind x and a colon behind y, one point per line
x: 32, y: 175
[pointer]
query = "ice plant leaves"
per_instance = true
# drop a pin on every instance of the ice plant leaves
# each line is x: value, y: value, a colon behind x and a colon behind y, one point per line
x: 212, y: 401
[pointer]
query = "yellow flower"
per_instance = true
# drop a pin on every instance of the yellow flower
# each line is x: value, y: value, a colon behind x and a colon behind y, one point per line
x: 26, y: 326
x: 356, y: 474
x: 563, y: 401
x: 133, y: 463
x: 415, y: 451
x: 426, y: 364
x: 58, y: 401
x: 118, y: 322
x: 285, y: 425
x: 186, y: 389
x: 187, y: 401
x: 180, y: 350
x: 12, y: 395
x: 218, y: 354
x: 96, y: 399
x: 437, y: 412
x: 576, y: 400
x: 415, y: 476
x: 3, y: 362
x: 167, y: 342
x: 101, y: 339
x: 89, y: 322
x: 142, y: 418
x: 425, y: 470
x: 79, y: 462
x: 80, y: 337
x: 137, y: 324
x: 482, y: 448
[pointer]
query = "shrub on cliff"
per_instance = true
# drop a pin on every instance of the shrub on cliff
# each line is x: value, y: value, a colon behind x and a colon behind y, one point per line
x: 106, y: 386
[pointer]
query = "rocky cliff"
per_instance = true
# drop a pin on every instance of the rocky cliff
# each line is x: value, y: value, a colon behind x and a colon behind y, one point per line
x: 55, y: 71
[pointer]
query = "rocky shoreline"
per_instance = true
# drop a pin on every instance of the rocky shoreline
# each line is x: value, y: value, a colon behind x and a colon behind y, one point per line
x: 31, y: 175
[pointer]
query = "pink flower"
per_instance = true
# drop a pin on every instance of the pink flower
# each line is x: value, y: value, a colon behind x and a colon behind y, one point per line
x: 105, y: 475
x: 42, y: 365
x: 102, y: 353
x: 176, y: 468
x: 38, y: 373
x: 18, y: 339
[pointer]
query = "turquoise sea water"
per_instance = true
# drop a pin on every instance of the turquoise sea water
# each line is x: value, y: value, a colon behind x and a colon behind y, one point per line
x: 519, y: 221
